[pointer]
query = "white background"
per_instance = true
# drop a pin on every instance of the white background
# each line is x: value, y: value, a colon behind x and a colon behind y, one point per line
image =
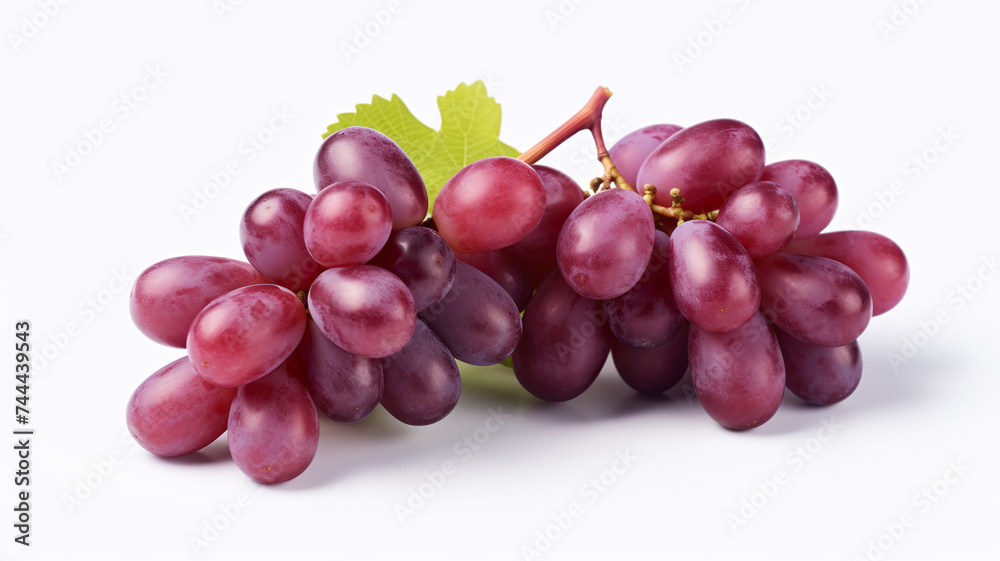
x: 888, y: 97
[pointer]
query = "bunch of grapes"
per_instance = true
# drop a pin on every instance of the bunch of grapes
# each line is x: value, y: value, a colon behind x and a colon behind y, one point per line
x: 353, y: 298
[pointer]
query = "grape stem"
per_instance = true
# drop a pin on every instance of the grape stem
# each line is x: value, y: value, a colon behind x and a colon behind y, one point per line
x: 587, y: 118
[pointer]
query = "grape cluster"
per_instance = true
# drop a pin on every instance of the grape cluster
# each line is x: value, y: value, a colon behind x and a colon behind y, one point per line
x: 352, y: 298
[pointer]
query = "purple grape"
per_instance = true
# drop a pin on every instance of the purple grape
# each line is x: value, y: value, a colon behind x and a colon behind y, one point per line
x: 273, y: 426
x: 712, y: 277
x: 814, y: 190
x: 539, y: 265
x: 647, y: 315
x: 345, y: 387
x: 606, y: 243
x: 245, y: 334
x: 176, y: 412
x: 272, y: 238
x: 505, y: 269
x: 489, y: 204
x: 347, y: 224
x: 656, y: 369
x: 817, y: 300
x: 739, y: 376
x: 363, y: 309
x: 422, y: 260
x: 820, y: 375
x: 762, y: 216
x: 477, y: 320
x: 363, y: 154
x: 562, y: 195
x: 879, y: 262
x: 422, y: 381
x: 633, y: 149
x: 565, y: 342
x: 707, y: 162
x: 168, y: 295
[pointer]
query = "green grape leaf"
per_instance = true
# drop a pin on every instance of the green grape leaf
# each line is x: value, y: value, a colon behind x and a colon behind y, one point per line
x: 470, y: 131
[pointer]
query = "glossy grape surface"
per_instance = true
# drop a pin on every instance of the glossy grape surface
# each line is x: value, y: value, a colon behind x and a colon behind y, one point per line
x: 272, y: 236
x: 345, y: 387
x: 347, y: 224
x: 422, y: 260
x: 422, y: 381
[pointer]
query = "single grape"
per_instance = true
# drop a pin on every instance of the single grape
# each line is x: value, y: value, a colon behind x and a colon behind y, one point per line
x: 762, y: 216
x: 422, y: 260
x: 814, y: 190
x: 272, y: 238
x: 739, y: 376
x: 562, y: 195
x: 564, y: 344
x: 606, y: 243
x: 707, y: 162
x: 168, y: 295
x: 505, y: 269
x: 347, y: 224
x: 489, y: 204
x: 176, y: 412
x: 647, y: 315
x: 273, y: 426
x: 245, y: 334
x: 477, y: 320
x: 422, y: 381
x: 815, y: 299
x: 820, y: 375
x: 656, y: 369
x: 875, y: 258
x: 712, y: 277
x: 363, y: 309
x: 345, y: 387
x: 363, y: 154
x: 633, y: 149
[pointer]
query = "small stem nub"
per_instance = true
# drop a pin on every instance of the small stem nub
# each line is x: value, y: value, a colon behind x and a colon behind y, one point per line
x: 304, y: 298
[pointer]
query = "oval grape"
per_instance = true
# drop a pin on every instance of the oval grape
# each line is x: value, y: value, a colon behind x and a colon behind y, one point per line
x: 477, y: 320
x: 273, y: 426
x: 562, y: 195
x: 653, y: 370
x: 814, y: 190
x: 489, y: 204
x: 879, y: 262
x: 820, y: 375
x: 606, y: 243
x: 363, y: 309
x: 272, y: 236
x: 176, y: 412
x: 739, y: 376
x: 505, y: 269
x: 363, y: 154
x: 422, y: 381
x: 633, y: 149
x: 707, y: 162
x: 347, y: 224
x: 422, y: 260
x: 345, y: 387
x: 168, y: 295
x: 762, y: 216
x: 712, y: 277
x: 565, y: 342
x: 817, y: 300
